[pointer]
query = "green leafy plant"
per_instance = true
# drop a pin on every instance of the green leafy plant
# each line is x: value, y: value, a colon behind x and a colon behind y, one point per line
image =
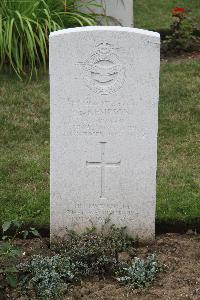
x: 140, y: 273
x: 96, y: 252
x: 182, y: 36
x: 89, y: 253
x: 25, y: 27
x: 8, y: 259
x: 93, y: 252
x: 49, y: 277
x: 15, y: 228
x: 10, y: 253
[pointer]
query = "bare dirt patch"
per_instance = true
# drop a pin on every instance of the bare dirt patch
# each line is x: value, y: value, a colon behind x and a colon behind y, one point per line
x: 180, y: 280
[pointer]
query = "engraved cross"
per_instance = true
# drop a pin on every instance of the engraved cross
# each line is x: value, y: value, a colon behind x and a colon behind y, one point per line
x: 102, y: 164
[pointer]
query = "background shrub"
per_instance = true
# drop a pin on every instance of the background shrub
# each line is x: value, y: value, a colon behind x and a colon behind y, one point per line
x: 25, y: 27
x: 183, y: 34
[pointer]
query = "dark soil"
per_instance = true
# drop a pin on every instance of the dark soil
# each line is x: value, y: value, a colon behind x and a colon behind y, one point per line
x: 180, y: 280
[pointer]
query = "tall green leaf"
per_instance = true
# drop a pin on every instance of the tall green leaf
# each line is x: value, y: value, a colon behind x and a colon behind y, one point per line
x: 25, y: 27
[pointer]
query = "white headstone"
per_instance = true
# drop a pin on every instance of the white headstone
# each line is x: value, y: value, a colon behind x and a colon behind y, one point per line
x: 119, y: 11
x: 104, y: 117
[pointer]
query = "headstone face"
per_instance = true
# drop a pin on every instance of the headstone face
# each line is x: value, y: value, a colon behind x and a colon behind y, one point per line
x: 120, y: 11
x: 104, y: 85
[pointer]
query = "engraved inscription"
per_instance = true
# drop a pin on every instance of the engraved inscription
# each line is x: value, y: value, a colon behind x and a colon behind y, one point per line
x: 107, y: 120
x: 102, y: 164
x: 103, y: 71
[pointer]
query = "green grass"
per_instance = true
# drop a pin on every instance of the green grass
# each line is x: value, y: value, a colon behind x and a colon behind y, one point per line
x: 178, y: 188
x: 24, y: 150
x: 155, y: 15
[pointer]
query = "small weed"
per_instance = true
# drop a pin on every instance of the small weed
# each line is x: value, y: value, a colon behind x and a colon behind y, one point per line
x: 10, y: 253
x: 16, y: 228
x: 8, y: 259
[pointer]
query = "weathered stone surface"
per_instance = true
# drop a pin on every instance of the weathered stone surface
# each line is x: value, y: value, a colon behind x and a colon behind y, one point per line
x: 121, y: 12
x: 104, y: 106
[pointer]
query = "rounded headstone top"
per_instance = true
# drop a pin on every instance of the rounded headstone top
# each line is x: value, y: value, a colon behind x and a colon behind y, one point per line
x: 105, y: 28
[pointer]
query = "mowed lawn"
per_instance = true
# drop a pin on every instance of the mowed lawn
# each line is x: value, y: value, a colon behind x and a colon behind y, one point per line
x: 156, y: 15
x: 24, y: 150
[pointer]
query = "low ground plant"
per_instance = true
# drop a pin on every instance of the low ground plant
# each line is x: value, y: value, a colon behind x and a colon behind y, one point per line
x: 8, y: 260
x: 96, y: 252
x: 93, y: 252
x: 140, y: 273
x: 47, y: 277
x: 17, y: 228
x: 9, y: 253
x: 81, y: 255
